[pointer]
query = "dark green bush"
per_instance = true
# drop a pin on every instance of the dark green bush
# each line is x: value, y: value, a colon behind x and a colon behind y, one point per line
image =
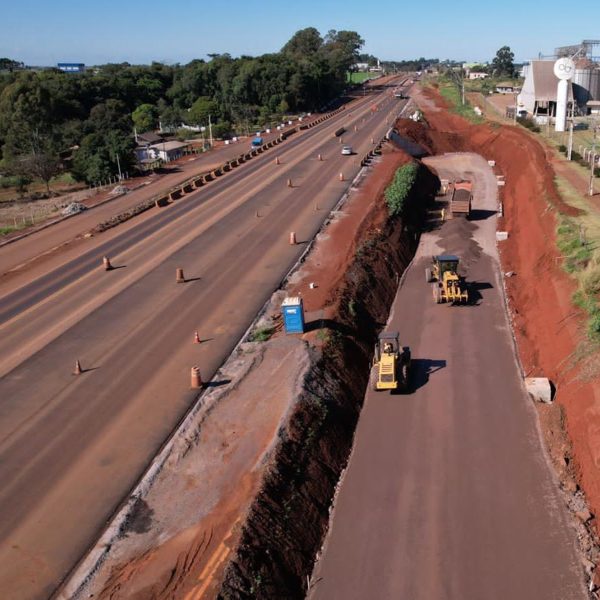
x: 398, y: 190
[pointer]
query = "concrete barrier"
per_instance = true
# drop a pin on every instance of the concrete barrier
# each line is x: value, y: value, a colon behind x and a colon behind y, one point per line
x: 187, y: 188
x: 198, y: 182
x: 539, y: 388
x: 226, y: 167
x: 217, y: 172
x: 174, y: 195
x: 160, y: 202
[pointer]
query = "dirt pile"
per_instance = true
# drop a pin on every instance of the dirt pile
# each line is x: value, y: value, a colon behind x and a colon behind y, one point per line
x: 288, y: 520
x: 546, y: 325
x: 458, y: 240
x: 434, y: 141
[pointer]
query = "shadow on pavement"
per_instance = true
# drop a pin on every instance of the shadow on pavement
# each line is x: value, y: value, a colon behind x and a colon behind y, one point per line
x: 421, y: 371
x: 480, y: 214
x: 475, y: 288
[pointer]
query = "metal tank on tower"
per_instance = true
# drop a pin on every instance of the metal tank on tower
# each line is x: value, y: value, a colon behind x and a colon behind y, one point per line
x: 564, y: 69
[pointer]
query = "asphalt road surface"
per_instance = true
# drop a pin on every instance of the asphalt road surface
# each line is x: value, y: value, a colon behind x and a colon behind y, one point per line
x: 448, y: 494
x: 71, y: 447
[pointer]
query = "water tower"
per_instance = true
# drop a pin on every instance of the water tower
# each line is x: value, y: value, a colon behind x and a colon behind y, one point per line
x: 564, y: 69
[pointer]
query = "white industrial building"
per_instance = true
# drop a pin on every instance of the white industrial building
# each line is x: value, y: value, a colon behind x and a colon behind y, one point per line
x: 539, y: 94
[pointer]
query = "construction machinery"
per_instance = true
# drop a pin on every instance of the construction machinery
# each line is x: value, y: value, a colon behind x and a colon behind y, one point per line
x: 391, y: 364
x: 460, y: 200
x: 447, y: 285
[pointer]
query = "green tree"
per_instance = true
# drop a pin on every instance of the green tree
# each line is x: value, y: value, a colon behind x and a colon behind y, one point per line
x: 503, y: 63
x: 200, y: 110
x: 145, y: 117
x: 304, y: 43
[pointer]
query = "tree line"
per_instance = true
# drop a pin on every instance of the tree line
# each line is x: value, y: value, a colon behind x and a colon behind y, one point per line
x: 48, y: 115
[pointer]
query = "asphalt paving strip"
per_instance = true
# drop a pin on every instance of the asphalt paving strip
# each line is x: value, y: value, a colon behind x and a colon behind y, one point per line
x: 447, y: 494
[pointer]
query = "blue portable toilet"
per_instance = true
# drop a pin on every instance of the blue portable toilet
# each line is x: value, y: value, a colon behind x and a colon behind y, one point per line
x: 293, y: 314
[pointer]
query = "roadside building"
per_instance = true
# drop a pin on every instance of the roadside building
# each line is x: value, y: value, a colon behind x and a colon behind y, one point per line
x: 477, y: 75
x: 168, y: 151
x: 144, y: 155
x: 506, y: 87
x: 594, y: 107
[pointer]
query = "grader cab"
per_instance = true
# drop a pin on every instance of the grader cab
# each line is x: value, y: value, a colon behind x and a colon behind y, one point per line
x: 391, y: 364
x: 447, y: 286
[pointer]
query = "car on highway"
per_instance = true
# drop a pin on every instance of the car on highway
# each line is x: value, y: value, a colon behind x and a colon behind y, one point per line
x: 347, y: 150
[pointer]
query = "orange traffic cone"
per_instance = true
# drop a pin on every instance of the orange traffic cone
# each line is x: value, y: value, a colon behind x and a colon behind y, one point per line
x: 292, y: 238
x: 106, y: 263
x: 341, y: 177
x: 179, y: 276
x: 196, y: 338
x: 78, y: 370
x: 277, y: 161
x: 289, y: 183
x: 320, y: 157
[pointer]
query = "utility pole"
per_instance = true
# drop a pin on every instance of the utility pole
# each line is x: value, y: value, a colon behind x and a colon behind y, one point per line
x: 593, y: 164
x: 210, y: 132
x: 570, y: 146
x: 119, y: 167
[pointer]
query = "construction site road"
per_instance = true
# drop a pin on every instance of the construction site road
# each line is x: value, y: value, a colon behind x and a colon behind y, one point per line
x: 448, y: 494
x: 73, y: 446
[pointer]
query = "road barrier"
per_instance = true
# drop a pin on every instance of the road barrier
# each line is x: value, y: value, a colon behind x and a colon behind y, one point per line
x: 339, y: 131
x: 195, y: 378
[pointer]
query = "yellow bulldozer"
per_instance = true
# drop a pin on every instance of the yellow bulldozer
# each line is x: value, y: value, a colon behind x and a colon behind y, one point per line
x: 391, y: 364
x: 447, y: 286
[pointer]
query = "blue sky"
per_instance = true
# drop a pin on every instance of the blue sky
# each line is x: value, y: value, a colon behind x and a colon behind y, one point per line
x: 50, y: 31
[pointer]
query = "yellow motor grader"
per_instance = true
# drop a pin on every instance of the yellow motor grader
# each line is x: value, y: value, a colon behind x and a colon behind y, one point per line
x: 391, y: 364
x: 447, y: 286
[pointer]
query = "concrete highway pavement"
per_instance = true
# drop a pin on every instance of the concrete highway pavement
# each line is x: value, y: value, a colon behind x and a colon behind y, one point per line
x: 71, y: 447
x: 448, y: 494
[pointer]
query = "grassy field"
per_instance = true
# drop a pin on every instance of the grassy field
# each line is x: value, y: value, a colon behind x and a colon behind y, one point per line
x: 62, y: 184
x: 450, y: 93
x: 578, y: 239
x: 361, y: 76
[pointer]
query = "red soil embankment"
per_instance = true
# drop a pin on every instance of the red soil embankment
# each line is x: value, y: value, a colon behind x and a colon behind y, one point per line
x: 547, y: 326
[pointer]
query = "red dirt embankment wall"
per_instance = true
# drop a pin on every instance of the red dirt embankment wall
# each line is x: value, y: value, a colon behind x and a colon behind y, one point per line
x: 547, y: 326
